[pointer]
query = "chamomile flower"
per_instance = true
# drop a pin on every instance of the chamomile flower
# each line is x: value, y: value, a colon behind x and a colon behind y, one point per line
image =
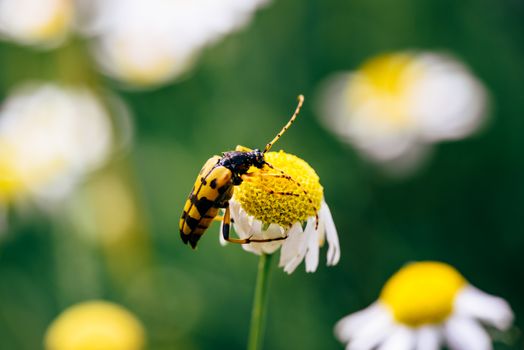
x: 424, y: 306
x: 51, y: 136
x: 145, y: 43
x: 43, y: 23
x: 95, y: 325
x: 396, y: 105
x: 270, y: 205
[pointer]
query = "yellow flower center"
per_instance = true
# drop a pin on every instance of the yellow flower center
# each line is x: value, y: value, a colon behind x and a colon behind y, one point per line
x: 95, y: 325
x: 272, y: 197
x: 422, y: 293
x: 382, y: 84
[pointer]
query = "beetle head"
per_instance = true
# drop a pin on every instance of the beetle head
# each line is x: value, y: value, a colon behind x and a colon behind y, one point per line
x: 258, y: 158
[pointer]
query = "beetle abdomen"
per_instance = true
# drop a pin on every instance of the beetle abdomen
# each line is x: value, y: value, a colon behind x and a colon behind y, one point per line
x: 212, y: 190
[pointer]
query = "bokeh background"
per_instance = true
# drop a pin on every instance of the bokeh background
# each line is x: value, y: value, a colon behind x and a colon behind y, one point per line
x: 464, y: 206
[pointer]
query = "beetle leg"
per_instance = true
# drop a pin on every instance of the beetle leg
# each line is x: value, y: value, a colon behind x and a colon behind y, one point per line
x: 284, y: 176
x: 241, y: 148
x: 226, y: 224
x: 220, y: 218
x: 249, y: 177
x: 288, y: 177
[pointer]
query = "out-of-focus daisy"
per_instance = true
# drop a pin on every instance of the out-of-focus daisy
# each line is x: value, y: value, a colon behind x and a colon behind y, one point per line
x: 50, y: 137
x: 36, y: 22
x: 95, y: 325
x: 395, y: 105
x: 424, y: 306
x: 269, y: 205
x: 149, y: 42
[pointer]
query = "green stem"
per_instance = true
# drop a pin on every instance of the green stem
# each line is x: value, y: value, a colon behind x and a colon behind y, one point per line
x: 258, y: 314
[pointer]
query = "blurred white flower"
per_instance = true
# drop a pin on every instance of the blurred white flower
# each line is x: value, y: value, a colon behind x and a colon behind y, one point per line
x: 50, y: 137
x: 101, y: 223
x: 43, y: 23
x: 150, y: 42
x: 395, y: 105
x: 303, y: 217
x: 424, y: 306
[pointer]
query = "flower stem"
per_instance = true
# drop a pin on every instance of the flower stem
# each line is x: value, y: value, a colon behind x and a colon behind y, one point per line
x: 258, y: 314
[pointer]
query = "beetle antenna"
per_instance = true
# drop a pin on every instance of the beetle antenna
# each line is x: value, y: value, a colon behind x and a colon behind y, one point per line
x: 284, y: 129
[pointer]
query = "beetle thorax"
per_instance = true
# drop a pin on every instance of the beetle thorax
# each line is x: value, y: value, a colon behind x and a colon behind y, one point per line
x: 240, y: 162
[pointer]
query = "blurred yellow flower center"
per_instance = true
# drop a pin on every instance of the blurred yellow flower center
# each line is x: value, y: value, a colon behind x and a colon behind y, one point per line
x: 95, y: 325
x: 57, y: 23
x: 422, y: 293
x: 17, y: 176
x: 382, y: 84
x: 386, y: 72
x: 10, y: 180
x: 256, y: 197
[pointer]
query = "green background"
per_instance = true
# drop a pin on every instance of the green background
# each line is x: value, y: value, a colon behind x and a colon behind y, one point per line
x: 464, y: 207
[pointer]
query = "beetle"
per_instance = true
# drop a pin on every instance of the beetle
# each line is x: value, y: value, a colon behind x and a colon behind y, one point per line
x: 214, y: 187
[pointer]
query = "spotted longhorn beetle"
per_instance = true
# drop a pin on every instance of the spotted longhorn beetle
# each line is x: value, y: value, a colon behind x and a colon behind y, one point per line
x: 214, y: 188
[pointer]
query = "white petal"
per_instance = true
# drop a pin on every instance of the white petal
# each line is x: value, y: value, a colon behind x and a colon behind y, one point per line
x: 460, y: 97
x: 428, y: 338
x: 489, y: 309
x: 252, y: 249
x: 346, y: 328
x: 242, y: 224
x: 240, y: 219
x: 293, y: 249
x: 270, y: 247
x: 373, y: 333
x: 312, y: 245
x: 290, y: 246
x: 466, y: 334
x: 273, y: 231
x: 333, y: 254
x: 402, y: 338
x: 365, y: 329
x: 255, y: 227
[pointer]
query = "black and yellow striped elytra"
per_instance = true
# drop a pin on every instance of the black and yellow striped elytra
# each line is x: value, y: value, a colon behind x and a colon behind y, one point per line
x: 214, y: 188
